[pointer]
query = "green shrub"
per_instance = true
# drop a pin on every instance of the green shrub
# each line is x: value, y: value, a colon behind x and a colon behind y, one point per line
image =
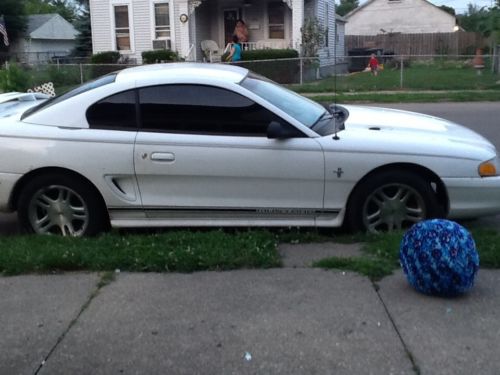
x: 14, y: 78
x: 159, y: 55
x: 284, y: 71
x: 109, y: 57
x: 62, y: 75
x: 269, y: 54
x: 281, y: 71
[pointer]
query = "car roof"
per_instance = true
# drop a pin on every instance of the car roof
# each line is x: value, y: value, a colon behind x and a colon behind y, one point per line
x: 222, y: 72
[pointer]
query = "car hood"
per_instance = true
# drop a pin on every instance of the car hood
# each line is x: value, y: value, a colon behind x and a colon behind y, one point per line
x: 410, y: 124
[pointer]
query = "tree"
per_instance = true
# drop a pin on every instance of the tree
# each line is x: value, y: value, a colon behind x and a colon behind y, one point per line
x: 474, y: 18
x: 66, y: 8
x: 448, y: 9
x: 482, y: 20
x: 313, y: 36
x: 38, y: 7
x: 345, y: 6
x: 83, y: 45
x: 492, y: 24
x: 15, y: 19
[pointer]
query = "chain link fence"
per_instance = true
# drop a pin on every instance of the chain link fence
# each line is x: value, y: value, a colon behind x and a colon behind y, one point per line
x: 395, y: 72
x: 421, y: 72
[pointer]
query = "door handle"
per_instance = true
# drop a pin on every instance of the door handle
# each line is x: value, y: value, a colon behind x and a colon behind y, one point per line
x: 163, y: 156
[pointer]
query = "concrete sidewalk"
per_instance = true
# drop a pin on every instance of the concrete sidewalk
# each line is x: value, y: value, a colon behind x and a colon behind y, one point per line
x: 280, y: 321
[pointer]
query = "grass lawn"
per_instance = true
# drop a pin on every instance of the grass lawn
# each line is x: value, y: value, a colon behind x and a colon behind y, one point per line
x: 416, y: 77
x: 181, y: 251
x: 381, y: 254
x: 189, y: 251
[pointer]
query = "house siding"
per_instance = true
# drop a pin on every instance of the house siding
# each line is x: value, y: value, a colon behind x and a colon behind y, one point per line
x: 141, y: 33
x: 206, y: 22
x: 333, y: 54
x: 47, y: 36
x: 40, y: 50
x: 401, y: 16
x: 100, y: 19
x: 143, y: 40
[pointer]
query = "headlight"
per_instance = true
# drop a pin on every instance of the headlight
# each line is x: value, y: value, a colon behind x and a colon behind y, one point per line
x: 489, y: 168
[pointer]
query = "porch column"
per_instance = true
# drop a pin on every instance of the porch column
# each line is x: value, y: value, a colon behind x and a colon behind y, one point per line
x: 297, y: 7
x: 182, y: 33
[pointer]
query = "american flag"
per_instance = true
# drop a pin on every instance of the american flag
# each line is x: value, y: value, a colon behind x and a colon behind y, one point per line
x: 3, y: 31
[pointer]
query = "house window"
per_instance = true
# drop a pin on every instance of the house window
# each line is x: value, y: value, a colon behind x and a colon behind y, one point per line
x: 276, y: 15
x: 122, y: 28
x: 162, y: 21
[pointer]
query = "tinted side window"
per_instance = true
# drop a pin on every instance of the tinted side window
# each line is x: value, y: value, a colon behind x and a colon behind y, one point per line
x: 202, y: 110
x: 105, y: 80
x: 114, y: 112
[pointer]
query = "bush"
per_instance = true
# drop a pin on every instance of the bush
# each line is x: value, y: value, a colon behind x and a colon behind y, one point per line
x: 159, y: 55
x: 269, y: 54
x: 281, y: 71
x: 62, y: 75
x: 14, y: 78
x: 109, y: 57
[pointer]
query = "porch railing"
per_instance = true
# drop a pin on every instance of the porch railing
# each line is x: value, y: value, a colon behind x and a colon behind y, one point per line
x: 261, y: 44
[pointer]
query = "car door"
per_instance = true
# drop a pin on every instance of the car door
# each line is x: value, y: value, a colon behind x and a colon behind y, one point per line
x: 203, y: 150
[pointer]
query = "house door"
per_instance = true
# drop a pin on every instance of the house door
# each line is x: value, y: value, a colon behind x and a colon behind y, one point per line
x: 230, y: 18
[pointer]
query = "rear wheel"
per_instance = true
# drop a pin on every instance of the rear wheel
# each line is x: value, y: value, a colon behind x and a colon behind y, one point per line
x: 391, y: 200
x: 61, y: 205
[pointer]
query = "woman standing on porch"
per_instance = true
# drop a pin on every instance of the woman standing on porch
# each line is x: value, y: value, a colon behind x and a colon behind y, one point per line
x: 241, y: 31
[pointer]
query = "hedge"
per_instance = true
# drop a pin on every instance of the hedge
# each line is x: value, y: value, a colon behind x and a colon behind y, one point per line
x: 269, y: 54
x: 108, y: 57
x: 159, y: 55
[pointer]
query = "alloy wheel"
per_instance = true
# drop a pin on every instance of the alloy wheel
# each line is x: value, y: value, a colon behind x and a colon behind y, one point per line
x: 57, y: 209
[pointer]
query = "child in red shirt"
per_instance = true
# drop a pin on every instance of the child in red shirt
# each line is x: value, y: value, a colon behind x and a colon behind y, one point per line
x: 373, y: 64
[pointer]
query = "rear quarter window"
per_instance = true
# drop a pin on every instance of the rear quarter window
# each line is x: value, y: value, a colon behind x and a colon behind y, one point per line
x: 105, y: 80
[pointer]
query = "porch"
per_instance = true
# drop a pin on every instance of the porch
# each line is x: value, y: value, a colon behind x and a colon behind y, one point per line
x: 271, y: 24
x: 212, y: 53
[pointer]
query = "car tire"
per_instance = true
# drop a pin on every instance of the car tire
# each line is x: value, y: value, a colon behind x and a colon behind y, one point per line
x: 62, y: 205
x: 391, y: 200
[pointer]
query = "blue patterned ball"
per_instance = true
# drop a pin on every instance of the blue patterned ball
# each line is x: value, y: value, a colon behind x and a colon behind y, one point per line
x: 439, y: 257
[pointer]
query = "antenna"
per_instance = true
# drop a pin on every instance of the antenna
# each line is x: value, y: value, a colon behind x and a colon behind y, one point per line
x: 335, y: 137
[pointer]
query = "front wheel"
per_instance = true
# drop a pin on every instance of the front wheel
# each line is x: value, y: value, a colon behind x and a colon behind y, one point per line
x: 61, y: 205
x: 391, y: 200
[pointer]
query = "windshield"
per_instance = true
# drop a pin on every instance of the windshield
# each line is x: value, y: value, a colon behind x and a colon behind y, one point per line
x: 302, y: 109
x: 104, y: 80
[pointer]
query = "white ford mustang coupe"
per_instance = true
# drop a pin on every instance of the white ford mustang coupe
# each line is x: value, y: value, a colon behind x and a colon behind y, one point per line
x: 216, y: 145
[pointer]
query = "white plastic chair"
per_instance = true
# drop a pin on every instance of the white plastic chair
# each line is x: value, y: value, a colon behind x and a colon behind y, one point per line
x: 211, y: 50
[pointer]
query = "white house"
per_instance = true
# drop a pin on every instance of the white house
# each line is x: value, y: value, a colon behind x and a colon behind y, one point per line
x: 399, y: 16
x: 134, y: 26
x: 47, y: 35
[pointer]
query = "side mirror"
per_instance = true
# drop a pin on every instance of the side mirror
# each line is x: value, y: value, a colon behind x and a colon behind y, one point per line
x: 276, y: 130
